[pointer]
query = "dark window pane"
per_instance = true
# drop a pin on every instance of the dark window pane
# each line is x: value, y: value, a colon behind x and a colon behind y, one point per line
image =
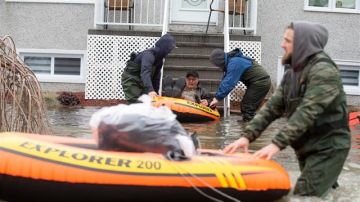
x: 350, y: 77
x: 39, y: 65
x: 67, y: 66
x: 319, y: 3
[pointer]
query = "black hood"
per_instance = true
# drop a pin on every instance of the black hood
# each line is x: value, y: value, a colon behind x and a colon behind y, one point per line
x: 309, y: 38
x: 164, y: 45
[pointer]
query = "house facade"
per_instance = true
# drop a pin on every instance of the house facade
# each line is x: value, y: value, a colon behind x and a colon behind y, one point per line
x: 70, y: 43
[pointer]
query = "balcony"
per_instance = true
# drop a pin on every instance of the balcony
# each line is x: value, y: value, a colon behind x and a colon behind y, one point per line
x: 149, y: 15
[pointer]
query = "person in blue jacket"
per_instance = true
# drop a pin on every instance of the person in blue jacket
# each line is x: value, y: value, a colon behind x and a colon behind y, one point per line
x: 143, y: 71
x: 238, y: 67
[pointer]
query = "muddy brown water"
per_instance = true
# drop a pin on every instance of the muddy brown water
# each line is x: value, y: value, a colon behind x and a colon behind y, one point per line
x: 74, y: 122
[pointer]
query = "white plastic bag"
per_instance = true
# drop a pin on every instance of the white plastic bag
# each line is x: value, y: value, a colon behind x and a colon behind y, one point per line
x: 140, y: 127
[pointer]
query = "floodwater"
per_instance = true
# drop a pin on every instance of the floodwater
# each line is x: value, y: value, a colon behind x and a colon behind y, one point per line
x: 74, y: 122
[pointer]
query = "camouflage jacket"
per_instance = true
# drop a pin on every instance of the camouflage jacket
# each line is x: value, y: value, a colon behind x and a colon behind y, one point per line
x: 316, y: 95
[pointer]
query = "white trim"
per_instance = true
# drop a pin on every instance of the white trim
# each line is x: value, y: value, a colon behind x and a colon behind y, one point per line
x: 280, y: 71
x: 350, y: 90
x: 51, y: 51
x: 58, y: 53
x: 331, y: 8
x: 54, y: 1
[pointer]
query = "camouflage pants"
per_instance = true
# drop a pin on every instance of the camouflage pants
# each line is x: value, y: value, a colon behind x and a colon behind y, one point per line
x: 321, y: 166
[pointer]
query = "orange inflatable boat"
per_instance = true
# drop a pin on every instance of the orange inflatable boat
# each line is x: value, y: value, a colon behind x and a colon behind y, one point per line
x: 49, y: 168
x: 187, y: 111
x: 354, y: 119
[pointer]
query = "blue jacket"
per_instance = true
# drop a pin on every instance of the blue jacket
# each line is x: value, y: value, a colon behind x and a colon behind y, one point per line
x: 234, y: 68
x: 154, y: 57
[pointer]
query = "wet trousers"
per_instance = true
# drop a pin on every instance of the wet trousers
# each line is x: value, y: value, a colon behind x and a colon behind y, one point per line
x: 253, y: 97
x: 321, y: 163
x: 131, y: 83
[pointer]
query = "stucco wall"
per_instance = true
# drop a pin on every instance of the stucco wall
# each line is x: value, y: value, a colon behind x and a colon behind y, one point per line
x: 275, y: 15
x: 48, y: 26
x: 45, y: 25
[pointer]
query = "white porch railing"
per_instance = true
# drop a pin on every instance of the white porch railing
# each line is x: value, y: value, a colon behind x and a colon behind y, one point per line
x: 241, y: 14
x: 155, y: 13
x: 130, y: 12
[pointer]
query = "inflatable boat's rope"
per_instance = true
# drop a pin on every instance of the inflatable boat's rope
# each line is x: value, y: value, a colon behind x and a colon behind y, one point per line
x: 202, y: 181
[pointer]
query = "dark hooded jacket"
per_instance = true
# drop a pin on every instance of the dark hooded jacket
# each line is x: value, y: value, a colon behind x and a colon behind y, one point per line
x: 154, y: 57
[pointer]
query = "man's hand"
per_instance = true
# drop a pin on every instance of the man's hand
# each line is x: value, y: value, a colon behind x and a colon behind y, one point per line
x: 267, y: 152
x: 213, y: 103
x: 242, y: 143
x: 152, y: 94
x: 204, y: 102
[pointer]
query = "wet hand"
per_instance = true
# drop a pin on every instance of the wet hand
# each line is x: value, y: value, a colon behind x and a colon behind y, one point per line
x: 204, y: 102
x: 152, y: 94
x: 242, y: 143
x: 267, y: 152
x: 213, y: 103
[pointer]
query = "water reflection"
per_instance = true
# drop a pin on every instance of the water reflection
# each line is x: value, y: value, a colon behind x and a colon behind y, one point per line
x: 74, y: 122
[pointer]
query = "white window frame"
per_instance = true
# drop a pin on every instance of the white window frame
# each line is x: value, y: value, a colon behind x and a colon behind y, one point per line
x: 332, y: 7
x: 58, y: 53
x: 55, y: 1
x: 349, y: 90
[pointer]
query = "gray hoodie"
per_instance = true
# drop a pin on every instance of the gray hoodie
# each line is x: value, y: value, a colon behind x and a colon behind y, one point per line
x: 309, y: 38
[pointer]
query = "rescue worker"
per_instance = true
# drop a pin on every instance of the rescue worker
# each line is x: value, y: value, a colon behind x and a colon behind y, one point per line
x: 188, y: 89
x: 238, y: 67
x: 312, y: 98
x: 143, y: 71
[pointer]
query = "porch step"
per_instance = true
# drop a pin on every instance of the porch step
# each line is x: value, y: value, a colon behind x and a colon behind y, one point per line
x: 193, y: 54
x: 196, y: 48
x: 198, y: 37
x: 187, y: 60
x: 205, y: 72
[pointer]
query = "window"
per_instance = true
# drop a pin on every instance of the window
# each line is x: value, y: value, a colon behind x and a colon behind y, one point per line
x: 349, y: 70
x: 345, y: 6
x: 350, y: 76
x: 55, y: 67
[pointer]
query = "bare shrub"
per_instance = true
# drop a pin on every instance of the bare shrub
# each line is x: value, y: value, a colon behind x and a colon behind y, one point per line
x: 22, y: 108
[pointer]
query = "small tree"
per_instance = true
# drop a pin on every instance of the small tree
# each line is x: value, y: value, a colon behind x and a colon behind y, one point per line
x: 22, y: 108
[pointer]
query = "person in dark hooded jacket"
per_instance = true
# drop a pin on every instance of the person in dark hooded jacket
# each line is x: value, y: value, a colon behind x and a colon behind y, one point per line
x: 142, y: 73
x: 238, y: 67
x: 312, y: 98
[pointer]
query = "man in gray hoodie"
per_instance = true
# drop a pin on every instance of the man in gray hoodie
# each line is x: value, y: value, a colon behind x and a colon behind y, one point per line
x: 311, y: 96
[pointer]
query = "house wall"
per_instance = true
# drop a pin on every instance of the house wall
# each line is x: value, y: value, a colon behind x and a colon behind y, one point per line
x: 59, y: 26
x: 64, y: 26
x: 275, y: 15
